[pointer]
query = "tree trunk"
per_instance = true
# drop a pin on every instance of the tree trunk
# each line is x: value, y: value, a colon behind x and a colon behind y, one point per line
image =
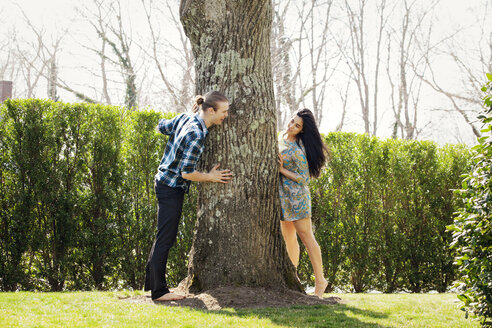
x: 237, y: 241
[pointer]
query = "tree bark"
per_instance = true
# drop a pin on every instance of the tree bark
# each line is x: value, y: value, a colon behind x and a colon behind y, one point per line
x: 237, y: 240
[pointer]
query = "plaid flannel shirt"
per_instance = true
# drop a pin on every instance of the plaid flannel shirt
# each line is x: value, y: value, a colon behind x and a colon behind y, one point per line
x: 187, y: 135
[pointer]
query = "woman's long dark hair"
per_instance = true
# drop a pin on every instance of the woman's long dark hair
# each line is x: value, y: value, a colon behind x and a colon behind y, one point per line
x: 316, y: 151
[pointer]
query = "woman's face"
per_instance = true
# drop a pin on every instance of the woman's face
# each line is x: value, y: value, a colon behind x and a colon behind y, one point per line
x: 295, y: 126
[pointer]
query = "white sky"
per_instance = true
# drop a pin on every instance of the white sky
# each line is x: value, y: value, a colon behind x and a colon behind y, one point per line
x: 56, y: 15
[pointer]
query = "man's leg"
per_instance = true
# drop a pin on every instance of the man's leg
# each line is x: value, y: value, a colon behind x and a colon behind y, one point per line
x: 170, y: 204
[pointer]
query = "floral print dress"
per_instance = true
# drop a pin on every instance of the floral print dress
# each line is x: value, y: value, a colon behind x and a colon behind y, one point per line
x: 295, y: 198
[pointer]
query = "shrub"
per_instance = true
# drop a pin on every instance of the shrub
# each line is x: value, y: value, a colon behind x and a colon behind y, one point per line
x: 472, y: 228
x: 380, y: 210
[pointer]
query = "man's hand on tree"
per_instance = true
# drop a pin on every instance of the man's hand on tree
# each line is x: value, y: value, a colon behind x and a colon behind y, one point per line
x: 221, y: 176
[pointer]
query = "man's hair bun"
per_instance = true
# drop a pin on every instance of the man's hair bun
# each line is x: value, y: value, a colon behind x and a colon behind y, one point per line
x: 199, y: 100
x: 210, y: 100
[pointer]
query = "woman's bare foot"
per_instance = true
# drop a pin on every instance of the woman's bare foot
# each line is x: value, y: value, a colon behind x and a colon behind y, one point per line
x: 169, y: 297
x: 320, y: 288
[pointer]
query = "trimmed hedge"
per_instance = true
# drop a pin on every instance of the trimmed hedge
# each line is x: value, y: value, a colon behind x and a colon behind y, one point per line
x: 77, y: 204
x: 78, y: 211
x: 380, y: 211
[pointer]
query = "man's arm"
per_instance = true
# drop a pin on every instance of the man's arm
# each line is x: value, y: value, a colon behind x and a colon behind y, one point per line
x: 190, y: 158
x: 214, y: 175
x: 166, y: 126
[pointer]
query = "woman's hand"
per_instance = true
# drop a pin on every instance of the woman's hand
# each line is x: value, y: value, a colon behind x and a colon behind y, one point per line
x: 280, y: 161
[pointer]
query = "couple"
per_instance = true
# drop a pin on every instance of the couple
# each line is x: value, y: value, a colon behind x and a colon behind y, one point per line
x: 301, y: 155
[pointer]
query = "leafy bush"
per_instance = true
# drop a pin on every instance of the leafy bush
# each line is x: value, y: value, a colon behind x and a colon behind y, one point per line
x: 472, y: 228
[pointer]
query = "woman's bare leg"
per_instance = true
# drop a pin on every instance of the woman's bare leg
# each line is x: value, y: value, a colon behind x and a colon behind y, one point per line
x: 290, y: 238
x: 305, y: 230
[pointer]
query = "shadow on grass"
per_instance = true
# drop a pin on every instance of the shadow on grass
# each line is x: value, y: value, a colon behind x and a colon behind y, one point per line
x: 333, y: 315
x: 313, y: 316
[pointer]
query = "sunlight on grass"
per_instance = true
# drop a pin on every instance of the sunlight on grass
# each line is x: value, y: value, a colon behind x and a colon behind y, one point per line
x: 405, y: 310
x: 105, y: 309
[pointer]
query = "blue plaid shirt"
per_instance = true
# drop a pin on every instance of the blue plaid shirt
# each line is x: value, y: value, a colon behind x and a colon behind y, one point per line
x: 187, y: 135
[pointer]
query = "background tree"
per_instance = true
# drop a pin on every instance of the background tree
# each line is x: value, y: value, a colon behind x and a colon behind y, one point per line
x: 107, y: 21
x: 37, y: 60
x: 413, y: 41
x: 313, y: 57
x: 302, y: 60
x: 356, y: 53
x: 237, y: 239
x: 178, y: 55
x: 31, y: 66
x: 473, y: 62
x: 284, y: 80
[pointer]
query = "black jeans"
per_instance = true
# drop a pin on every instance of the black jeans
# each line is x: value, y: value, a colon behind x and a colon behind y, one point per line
x: 170, y: 204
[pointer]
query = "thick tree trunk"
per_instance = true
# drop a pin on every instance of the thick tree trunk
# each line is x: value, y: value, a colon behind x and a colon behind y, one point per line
x: 237, y: 239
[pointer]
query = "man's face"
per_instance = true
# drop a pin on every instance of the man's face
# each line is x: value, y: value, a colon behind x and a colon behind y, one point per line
x: 221, y: 112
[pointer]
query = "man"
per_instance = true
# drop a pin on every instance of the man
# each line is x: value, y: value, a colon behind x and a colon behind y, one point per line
x: 187, y: 133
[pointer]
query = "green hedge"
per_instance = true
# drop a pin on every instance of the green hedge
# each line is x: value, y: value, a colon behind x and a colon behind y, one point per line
x: 380, y: 211
x: 77, y: 204
x: 78, y: 211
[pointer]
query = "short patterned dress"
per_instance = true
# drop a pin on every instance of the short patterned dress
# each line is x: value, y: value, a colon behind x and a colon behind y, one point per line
x: 295, y: 198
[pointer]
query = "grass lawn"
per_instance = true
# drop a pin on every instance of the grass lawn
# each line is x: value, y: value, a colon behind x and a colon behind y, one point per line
x: 105, y: 309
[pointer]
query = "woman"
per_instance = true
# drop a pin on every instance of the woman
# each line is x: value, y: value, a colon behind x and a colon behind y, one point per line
x: 302, y: 154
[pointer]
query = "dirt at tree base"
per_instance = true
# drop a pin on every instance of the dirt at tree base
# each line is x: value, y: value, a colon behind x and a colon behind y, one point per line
x: 240, y: 297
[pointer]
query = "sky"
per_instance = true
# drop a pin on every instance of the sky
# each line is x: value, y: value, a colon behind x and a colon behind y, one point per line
x: 55, y: 15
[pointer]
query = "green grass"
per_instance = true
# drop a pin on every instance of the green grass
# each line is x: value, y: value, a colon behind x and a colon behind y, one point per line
x: 104, y: 309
